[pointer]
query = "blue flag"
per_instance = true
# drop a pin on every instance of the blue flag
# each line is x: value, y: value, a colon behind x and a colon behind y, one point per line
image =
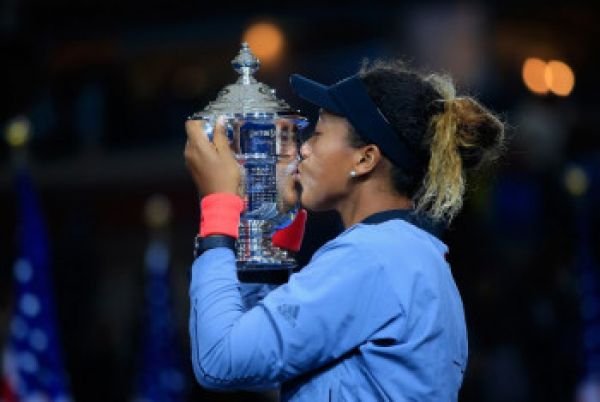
x: 588, y: 272
x: 32, y: 364
x: 161, y: 377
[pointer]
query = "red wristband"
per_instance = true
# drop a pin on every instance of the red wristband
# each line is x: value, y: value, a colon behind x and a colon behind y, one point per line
x: 220, y: 214
x: 290, y: 237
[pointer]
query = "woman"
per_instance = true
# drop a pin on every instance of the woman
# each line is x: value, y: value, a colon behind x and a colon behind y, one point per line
x: 375, y: 315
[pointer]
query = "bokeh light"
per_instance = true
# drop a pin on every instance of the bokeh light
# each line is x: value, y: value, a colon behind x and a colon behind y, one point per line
x: 17, y: 132
x: 157, y: 211
x: 266, y: 41
x: 559, y: 77
x: 542, y: 77
x: 576, y: 181
x: 534, y: 75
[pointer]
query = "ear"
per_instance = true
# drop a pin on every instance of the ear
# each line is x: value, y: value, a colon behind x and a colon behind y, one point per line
x: 369, y: 157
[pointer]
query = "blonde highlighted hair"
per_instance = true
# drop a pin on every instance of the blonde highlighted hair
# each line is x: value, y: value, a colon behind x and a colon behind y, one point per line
x: 455, y: 136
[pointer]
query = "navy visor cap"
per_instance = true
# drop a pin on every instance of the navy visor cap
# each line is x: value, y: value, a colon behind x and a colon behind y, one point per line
x: 349, y: 98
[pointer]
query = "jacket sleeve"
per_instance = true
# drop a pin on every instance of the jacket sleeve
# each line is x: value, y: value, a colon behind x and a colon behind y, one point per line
x: 332, y: 306
x: 252, y: 293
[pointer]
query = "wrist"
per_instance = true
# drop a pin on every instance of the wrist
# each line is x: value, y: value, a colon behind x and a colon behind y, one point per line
x: 202, y: 244
x: 220, y: 214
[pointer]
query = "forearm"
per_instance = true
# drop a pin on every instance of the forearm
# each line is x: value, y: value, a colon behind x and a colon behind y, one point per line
x: 230, y: 349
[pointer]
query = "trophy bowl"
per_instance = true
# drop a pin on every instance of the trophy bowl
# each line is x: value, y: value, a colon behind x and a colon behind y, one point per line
x: 263, y: 133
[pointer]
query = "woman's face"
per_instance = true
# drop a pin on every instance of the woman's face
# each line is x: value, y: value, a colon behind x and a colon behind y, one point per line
x: 327, y: 160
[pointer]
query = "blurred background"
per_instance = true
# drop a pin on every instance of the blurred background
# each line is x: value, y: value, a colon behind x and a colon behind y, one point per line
x: 93, y: 187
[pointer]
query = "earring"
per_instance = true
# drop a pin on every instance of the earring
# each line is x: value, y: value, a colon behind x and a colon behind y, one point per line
x: 353, y: 173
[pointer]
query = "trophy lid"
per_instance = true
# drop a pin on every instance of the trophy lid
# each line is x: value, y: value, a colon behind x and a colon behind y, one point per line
x: 246, y: 96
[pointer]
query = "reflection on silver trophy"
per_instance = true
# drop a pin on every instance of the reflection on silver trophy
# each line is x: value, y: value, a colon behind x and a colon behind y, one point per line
x: 262, y: 131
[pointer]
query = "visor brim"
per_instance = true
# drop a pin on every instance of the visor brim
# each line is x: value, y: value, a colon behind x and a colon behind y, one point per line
x: 315, y: 93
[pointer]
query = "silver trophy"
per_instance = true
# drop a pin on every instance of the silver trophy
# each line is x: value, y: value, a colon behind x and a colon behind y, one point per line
x: 262, y: 132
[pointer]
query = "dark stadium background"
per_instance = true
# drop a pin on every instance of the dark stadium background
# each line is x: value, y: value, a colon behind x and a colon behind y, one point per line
x: 107, y: 85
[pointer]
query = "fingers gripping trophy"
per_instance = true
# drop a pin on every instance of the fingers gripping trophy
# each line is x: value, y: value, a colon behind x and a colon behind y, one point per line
x: 262, y: 132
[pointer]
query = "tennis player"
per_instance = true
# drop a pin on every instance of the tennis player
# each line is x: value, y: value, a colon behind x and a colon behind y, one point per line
x: 376, y: 314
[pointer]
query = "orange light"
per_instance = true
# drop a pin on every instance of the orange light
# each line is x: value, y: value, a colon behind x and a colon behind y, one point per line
x: 559, y: 77
x: 266, y: 41
x: 534, y: 75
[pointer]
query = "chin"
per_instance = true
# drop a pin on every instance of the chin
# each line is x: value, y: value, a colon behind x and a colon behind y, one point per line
x: 313, y: 204
x: 307, y: 202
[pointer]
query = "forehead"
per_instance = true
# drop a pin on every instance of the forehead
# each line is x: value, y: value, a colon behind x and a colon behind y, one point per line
x: 333, y: 127
x: 330, y: 118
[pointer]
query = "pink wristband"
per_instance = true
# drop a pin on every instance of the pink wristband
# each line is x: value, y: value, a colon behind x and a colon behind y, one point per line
x: 220, y: 214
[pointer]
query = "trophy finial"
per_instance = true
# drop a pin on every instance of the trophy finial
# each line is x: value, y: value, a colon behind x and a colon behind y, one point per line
x: 246, y: 95
x: 245, y: 63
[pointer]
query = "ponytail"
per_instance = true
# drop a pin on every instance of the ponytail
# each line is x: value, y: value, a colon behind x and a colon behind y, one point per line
x: 463, y: 136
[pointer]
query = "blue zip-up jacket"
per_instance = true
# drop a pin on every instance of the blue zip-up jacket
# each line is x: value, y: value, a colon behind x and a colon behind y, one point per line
x: 374, y: 316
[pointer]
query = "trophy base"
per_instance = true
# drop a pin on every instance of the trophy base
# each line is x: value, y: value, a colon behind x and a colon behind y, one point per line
x: 265, y: 273
x: 266, y: 266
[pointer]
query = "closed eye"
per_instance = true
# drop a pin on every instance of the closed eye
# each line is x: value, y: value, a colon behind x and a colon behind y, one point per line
x: 305, y: 136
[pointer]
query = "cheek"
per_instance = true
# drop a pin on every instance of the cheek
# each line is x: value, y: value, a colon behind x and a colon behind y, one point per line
x: 325, y: 183
x: 322, y: 172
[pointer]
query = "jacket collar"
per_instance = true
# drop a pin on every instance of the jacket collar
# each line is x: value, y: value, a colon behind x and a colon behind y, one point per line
x: 408, y: 215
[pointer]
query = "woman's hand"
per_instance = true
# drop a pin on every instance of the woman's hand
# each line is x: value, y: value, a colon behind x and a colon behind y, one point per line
x: 212, y: 164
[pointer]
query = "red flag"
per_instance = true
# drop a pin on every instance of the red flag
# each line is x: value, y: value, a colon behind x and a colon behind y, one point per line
x: 6, y: 392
